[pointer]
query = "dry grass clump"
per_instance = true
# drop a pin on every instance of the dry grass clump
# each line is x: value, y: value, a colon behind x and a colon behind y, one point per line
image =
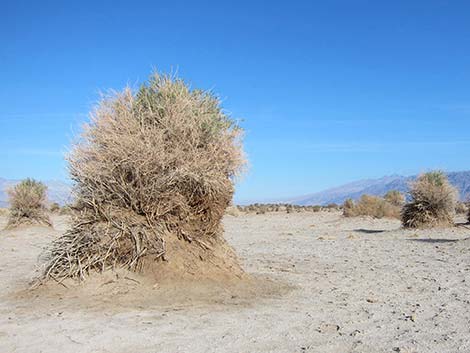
x: 66, y: 210
x: 395, y: 198
x: 54, y: 207
x: 461, y: 208
x: 233, y: 211
x: 372, y: 206
x: 349, y: 208
x: 152, y: 168
x: 433, y: 202
x: 27, y: 204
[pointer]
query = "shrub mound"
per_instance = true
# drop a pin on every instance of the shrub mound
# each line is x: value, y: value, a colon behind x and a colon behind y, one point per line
x: 373, y: 206
x: 153, y: 174
x: 27, y: 204
x: 432, y: 204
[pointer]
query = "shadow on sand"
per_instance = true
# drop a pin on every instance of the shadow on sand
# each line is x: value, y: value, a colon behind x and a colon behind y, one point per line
x: 437, y: 241
x: 369, y: 231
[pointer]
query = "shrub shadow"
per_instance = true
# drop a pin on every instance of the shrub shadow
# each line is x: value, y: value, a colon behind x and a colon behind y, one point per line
x: 433, y: 241
x: 369, y: 231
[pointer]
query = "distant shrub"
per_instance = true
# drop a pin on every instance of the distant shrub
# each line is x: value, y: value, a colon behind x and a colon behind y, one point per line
x: 372, y: 206
x: 332, y: 206
x: 433, y: 202
x: 349, y: 208
x: 27, y: 203
x: 54, y: 207
x: 395, y: 198
x: 65, y: 210
x: 232, y: 211
x: 461, y: 208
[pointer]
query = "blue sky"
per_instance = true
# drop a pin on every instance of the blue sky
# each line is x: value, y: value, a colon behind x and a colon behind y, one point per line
x: 329, y: 91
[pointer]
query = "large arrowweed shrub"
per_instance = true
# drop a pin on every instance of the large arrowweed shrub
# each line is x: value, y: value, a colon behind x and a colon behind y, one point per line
x: 152, y: 167
x: 433, y: 201
x: 28, y: 203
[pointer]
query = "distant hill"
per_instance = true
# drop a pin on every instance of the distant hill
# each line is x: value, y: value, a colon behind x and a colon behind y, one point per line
x: 57, y: 191
x: 377, y: 187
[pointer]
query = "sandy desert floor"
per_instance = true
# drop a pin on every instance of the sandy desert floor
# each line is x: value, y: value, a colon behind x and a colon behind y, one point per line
x: 324, y: 284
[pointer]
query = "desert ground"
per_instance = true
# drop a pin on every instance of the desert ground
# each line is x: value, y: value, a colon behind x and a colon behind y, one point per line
x: 318, y: 283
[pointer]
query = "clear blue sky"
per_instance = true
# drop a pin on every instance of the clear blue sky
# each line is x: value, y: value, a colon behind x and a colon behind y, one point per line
x: 330, y: 91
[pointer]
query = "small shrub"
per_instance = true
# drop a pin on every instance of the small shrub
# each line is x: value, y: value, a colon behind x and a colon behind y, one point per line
x: 461, y: 208
x: 54, y: 207
x: 232, y: 211
x: 65, y: 210
x: 349, y: 208
x: 395, y: 198
x: 372, y: 206
x: 432, y: 203
x: 332, y: 207
x: 27, y: 203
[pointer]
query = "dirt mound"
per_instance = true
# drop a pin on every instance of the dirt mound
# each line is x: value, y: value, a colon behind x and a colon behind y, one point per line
x: 126, y: 290
x: 213, y: 259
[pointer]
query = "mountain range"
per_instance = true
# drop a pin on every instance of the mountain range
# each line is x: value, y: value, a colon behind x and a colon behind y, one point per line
x: 59, y: 191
